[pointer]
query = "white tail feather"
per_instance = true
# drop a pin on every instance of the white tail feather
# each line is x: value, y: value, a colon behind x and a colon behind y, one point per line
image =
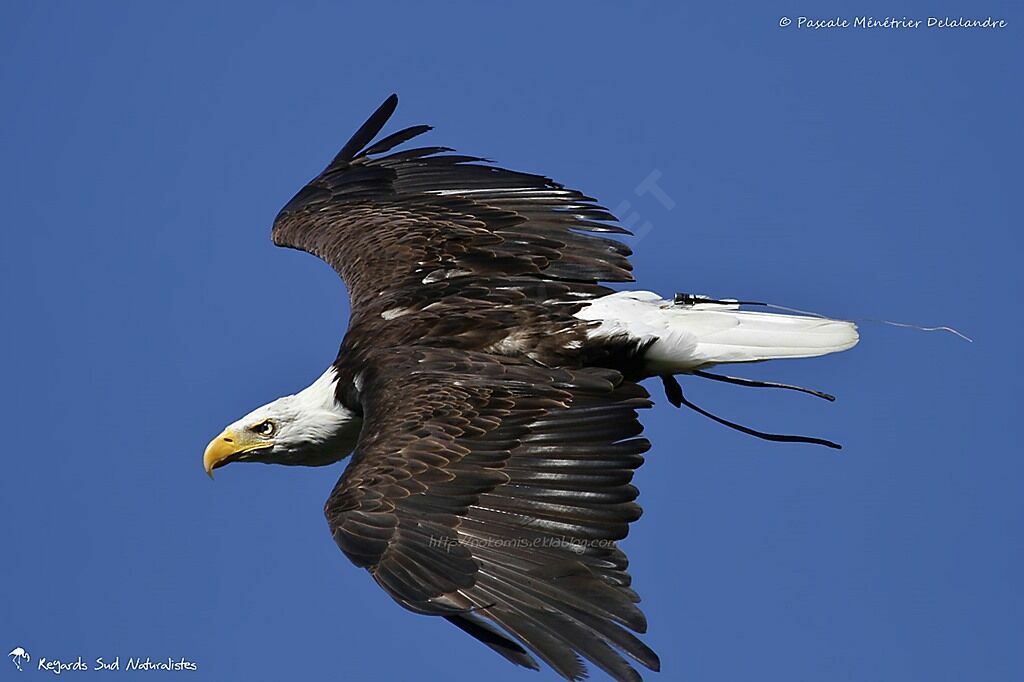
x: 687, y: 337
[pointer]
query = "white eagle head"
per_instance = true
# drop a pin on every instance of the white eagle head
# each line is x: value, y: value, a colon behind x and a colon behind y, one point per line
x: 309, y: 428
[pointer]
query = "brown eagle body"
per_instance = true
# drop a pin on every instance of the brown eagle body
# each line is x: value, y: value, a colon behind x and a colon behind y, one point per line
x: 493, y: 419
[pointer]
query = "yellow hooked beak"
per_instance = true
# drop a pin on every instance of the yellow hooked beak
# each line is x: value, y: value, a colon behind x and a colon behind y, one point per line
x: 229, y: 446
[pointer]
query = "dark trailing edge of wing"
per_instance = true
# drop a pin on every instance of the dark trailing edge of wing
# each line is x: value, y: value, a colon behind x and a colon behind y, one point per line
x: 478, y: 628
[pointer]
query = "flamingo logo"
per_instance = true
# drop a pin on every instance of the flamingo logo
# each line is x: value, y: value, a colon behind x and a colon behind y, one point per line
x: 19, y: 655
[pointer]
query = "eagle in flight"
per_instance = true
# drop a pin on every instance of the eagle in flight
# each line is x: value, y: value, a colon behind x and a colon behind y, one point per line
x: 488, y: 391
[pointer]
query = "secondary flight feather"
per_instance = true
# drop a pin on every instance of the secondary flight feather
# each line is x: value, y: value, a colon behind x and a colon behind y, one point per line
x: 487, y: 392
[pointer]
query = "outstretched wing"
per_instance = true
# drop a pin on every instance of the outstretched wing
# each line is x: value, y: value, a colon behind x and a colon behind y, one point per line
x: 412, y: 227
x: 492, y: 492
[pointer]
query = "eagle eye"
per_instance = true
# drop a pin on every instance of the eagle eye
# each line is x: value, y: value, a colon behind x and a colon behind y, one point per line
x: 265, y: 428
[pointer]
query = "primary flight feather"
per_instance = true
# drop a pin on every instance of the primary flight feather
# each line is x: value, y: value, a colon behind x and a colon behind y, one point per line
x: 487, y: 390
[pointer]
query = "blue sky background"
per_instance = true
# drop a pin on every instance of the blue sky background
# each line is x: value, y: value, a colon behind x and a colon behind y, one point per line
x: 145, y: 149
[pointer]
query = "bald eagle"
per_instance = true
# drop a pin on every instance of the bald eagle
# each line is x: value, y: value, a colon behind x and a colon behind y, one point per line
x: 488, y: 392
